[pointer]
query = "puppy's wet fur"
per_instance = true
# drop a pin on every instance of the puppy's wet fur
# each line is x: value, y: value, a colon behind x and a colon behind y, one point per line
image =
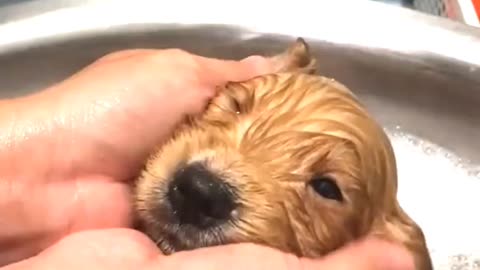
x: 291, y: 160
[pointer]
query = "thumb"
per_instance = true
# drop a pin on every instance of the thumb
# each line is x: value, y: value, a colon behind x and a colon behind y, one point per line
x: 97, y: 249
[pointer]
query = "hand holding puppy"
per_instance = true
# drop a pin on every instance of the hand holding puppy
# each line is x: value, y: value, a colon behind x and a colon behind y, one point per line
x: 86, y: 137
x: 124, y: 249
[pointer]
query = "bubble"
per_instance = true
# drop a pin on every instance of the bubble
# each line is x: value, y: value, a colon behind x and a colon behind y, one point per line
x: 413, y: 140
x: 431, y: 178
x: 459, y: 258
x: 459, y: 262
x: 474, y: 173
x: 428, y: 150
x: 476, y: 265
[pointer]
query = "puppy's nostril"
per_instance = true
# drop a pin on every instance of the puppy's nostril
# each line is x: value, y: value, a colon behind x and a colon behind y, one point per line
x: 199, y: 197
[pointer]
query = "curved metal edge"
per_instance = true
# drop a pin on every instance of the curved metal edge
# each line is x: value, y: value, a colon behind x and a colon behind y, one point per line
x: 355, y: 23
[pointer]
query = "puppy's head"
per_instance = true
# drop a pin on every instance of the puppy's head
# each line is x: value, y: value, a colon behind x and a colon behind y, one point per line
x: 290, y: 160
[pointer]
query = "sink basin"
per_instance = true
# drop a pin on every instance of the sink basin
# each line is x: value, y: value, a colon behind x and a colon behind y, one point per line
x: 418, y: 74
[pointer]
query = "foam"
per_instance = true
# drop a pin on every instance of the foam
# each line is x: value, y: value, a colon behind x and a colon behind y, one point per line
x: 439, y: 191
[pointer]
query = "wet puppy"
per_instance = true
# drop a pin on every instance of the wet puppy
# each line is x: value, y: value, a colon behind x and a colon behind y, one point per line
x: 290, y: 160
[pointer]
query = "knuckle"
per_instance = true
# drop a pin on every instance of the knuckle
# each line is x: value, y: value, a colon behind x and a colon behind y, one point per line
x: 175, y: 59
x: 118, y: 54
x: 183, y: 58
x: 114, y: 54
x: 177, y: 52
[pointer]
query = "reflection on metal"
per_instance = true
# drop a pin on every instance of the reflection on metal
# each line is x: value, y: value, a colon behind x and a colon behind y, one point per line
x: 444, y: 8
x: 459, y: 10
x: 418, y: 74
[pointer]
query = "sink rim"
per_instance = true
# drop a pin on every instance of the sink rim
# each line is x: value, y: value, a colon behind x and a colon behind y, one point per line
x: 43, y: 28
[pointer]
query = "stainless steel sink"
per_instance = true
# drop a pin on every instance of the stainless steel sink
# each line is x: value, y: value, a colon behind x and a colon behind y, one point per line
x: 419, y: 75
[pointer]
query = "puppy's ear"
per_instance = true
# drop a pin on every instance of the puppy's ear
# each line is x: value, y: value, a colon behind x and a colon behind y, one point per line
x: 296, y: 58
x: 399, y: 228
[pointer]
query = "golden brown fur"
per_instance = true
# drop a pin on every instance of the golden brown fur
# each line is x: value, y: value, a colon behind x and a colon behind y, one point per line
x: 268, y: 137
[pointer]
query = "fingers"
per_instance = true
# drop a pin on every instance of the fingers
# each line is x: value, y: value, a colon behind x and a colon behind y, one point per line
x: 216, y: 71
x: 124, y: 54
x: 219, y: 71
x: 366, y: 255
x: 95, y: 250
x: 234, y: 257
x: 222, y: 71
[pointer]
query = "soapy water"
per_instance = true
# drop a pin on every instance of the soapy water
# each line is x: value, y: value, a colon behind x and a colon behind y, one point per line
x: 439, y: 191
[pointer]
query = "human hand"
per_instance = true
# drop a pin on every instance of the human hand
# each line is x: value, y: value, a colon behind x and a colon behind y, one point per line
x: 124, y: 249
x: 68, y: 152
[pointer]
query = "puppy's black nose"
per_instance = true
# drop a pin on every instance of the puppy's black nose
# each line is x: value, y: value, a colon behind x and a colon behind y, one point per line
x: 198, y: 197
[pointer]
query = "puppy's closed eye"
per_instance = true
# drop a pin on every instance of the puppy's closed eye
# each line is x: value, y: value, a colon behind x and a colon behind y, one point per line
x: 326, y: 187
x: 235, y: 105
x: 236, y: 102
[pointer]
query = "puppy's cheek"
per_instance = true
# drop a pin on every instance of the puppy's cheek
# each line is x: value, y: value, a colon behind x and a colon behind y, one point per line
x: 151, y: 187
x: 330, y: 227
x: 270, y: 218
x: 263, y: 223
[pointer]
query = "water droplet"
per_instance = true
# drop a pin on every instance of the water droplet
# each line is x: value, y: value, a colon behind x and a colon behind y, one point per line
x: 234, y: 213
x: 397, y: 127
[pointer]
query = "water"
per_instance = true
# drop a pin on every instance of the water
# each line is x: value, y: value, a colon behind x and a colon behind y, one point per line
x: 439, y: 191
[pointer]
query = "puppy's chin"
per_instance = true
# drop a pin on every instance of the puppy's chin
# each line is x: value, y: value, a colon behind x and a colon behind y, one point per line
x: 171, y: 236
x: 174, y: 238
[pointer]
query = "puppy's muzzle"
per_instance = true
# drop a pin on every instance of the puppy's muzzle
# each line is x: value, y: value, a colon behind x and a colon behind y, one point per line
x: 200, y: 198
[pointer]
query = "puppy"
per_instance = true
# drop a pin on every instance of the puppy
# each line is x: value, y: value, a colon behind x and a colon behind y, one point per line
x: 290, y: 160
